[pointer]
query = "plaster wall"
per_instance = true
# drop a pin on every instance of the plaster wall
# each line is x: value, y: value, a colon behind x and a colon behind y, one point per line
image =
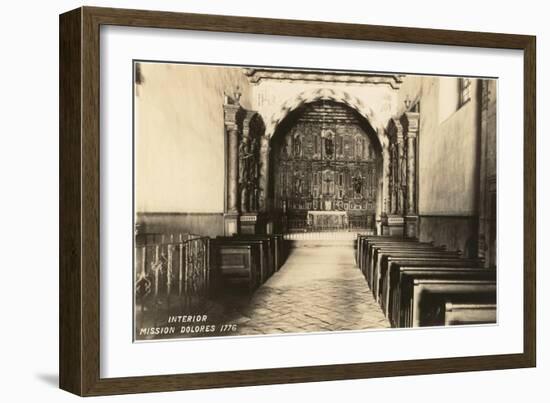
x: 179, y: 136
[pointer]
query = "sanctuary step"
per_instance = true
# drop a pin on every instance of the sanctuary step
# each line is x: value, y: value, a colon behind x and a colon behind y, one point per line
x: 321, y: 243
x: 326, y: 235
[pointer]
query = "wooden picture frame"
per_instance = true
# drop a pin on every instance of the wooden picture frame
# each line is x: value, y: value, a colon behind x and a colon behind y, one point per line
x: 79, y: 346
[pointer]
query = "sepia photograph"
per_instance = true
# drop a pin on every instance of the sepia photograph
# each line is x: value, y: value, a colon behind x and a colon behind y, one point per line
x: 275, y: 200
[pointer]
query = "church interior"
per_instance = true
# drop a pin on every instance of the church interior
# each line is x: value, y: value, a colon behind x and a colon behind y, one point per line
x: 281, y: 200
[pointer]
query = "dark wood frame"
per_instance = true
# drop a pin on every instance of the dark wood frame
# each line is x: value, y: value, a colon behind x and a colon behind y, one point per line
x: 79, y: 200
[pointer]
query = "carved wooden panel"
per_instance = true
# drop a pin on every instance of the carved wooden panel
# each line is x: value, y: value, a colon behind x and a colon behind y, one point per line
x: 249, y: 155
x: 326, y: 162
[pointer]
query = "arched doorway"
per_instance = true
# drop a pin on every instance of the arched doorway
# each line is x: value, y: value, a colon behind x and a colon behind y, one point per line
x: 325, y: 169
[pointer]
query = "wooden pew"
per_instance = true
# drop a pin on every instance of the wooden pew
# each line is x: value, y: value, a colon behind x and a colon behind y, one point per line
x: 390, y: 292
x: 268, y: 251
x: 423, y: 289
x: 361, y: 243
x: 260, y: 244
x: 236, y: 264
x: 379, y: 254
x: 391, y: 266
x: 429, y: 307
x: 370, y: 246
x: 469, y: 314
x: 362, y: 240
x: 280, y: 250
x: 374, y: 249
x: 413, y: 279
x: 417, y: 284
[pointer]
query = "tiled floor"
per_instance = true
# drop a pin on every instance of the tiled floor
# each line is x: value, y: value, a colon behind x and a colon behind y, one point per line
x: 319, y: 288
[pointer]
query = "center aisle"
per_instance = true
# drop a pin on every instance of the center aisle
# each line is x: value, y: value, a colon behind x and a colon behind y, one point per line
x: 319, y: 288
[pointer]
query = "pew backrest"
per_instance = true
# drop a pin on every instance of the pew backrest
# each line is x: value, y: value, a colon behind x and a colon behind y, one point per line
x: 236, y: 264
x: 375, y: 267
x: 469, y: 288
x: 262, y: 246
x: 389, y: 290
x: 468, y: 314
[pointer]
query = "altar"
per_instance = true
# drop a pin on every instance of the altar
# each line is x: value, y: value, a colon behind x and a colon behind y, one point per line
x: 327, y: 219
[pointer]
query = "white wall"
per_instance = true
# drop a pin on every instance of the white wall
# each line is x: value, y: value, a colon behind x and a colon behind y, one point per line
x: 448, y: 169
x: 29, y: 169
x: 172, y: 175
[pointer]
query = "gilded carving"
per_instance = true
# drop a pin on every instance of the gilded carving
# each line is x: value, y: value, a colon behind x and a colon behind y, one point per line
x: 335, y: 168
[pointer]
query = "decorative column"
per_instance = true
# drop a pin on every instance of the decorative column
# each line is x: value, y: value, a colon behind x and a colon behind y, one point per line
x: 231, y: 108
x: 395, y: 222
x: 401, y: 172
x: 482, y: 230
x: 411, y: 218
x: 487, y: 175
x: 253, y: 178
x: 386, y: 192
x: 244, y: 156
x: 393, y: 180
x: 267, y: 220
x: 264, y: 172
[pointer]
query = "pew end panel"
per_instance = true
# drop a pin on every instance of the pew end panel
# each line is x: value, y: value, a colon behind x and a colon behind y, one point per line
x: 469, y: 313
x: 430, y: 295
x: 237, y: 266
x: 391, y: 274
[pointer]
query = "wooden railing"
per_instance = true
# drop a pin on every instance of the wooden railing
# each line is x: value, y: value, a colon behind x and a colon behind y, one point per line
x: 352, y: 224
x: 171, y: 272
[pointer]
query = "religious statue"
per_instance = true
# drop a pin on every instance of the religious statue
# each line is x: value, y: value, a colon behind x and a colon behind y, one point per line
x: 393, y: 179
x: 329, y: 147
x: 288, y: 146
x: 244, y: 159
x: 298, y: 186
x: 403, y: 183
x: 340, y: 145
x: 253, y: 197
x: 255, y: 146
x: 297, y: 146
x: 232, y: 98
x: 328, y: 140
x: 357, y: 184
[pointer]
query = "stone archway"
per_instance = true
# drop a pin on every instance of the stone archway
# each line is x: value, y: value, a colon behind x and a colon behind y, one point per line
x: 329, y: 94
x: 237, y: 122
x: 365, y: 165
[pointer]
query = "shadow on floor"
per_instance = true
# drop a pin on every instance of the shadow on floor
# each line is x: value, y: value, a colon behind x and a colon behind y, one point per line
x: 49, y: 379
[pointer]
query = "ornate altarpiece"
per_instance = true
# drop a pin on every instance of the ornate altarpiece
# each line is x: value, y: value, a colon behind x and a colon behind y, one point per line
x: 325, y: 162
